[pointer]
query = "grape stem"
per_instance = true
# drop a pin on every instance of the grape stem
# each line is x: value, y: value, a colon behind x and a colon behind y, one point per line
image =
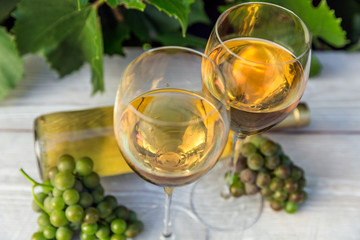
x: 36, y: 184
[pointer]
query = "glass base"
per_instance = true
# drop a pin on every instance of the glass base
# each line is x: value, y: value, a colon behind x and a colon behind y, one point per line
x: 185, y: 225
x: 221, y: 213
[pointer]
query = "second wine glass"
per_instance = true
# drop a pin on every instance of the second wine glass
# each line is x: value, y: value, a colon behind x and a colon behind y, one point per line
x: 264, y: 53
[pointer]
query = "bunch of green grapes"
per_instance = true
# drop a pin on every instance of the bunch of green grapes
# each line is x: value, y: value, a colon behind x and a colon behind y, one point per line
x: 263, y: 167
x: 73, y: 199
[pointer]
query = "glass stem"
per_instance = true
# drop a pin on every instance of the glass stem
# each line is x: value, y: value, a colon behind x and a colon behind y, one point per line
x: 238, y: 140
x: 167, y: 229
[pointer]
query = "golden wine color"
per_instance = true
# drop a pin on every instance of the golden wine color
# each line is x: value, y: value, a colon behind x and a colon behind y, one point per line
x: 168, y: 136
x: 264, y: 82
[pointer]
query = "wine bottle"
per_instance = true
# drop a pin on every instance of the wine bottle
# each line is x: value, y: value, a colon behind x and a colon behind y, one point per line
x: 90, y: 133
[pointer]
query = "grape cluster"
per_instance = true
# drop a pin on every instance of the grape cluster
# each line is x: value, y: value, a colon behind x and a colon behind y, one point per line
x: 73, y: 199
x: 263, y: 167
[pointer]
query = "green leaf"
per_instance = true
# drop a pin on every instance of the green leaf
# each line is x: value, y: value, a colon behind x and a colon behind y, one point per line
x: 179, y: 9
x: 11, y: 65
x: 161, y: 21
x: 176, y: 39
x: 197, y: 13
x: 113, y: 39
x: 68, y: 36
x: 139, y: 24
x: 41, y: 23
x: 82, y: 4
x: 315, y: 67
x: 320, y: 20
x: 6, y: 7
x: 137, y: 4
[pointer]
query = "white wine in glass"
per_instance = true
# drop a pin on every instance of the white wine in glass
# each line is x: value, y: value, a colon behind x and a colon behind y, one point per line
x: 170, y: 130
x: 264, y: 53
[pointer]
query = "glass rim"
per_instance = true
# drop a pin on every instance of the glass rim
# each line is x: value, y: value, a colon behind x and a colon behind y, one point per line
x: 217, y: 107
x: 305, y: 27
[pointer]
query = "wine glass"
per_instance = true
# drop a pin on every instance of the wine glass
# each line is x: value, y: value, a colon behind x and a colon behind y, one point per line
x: 168, y: 126
x: 264, y: 52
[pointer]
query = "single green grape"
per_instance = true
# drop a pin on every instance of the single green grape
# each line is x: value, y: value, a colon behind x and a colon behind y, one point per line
x: 78, y: 186
x: 132, y: 216
x: 266, y: 192
x: 263, y: 179
x: 89, y: 228
x: 74, y: 213
x: 103, y: 231
x: 43, y: 220
x: 64, y: 180
x: 71, y: 196
x: 276, y: 184
x: 138, y: 224
x: 58, y: 218
x: 282, y: 171
x: 257, y: 140
x: 98, y: 194
x: 85, y: 236
x: 66, y: 163
x: 248, y: 176
x: 280, y: 195
x: 118, y: 237
x: 104, y: 209
x: 91, y: 180
x: 268, y: 148
x: 240, y: 164
x: 276, y: 204
x: 290, y: 185
x: 57, y: 203
x: 132, y: 231
x: 111, y: 200
x: 251, y: 189
x: 296, y: 172
x: 38, y: 236
x: 298, y: 197
x: 57, y: 192
x: 255, y: 161
x: 118, y: 226
x: 285, y: 160
x: 91, y: 215
x: 248, y: 149
x: 47, y: 203
x: 52, y: 172
x: 272, y: 162
x: 86, y: 199
x: 84, y: 166
x: 237, y: 189
x: 64, y: 233
x: 122, y: 212
x: 49, y: 232
x: 291, y: 207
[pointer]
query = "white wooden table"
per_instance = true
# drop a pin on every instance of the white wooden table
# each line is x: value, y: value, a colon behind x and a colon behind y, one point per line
x: 328, y: 150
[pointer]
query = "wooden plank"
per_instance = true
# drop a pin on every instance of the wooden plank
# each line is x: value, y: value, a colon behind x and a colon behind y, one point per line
x: 331, y: 212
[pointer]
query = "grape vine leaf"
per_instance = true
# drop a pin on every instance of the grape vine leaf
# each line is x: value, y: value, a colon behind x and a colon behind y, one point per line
x: 137, y: 4
x: 320, y: 20
x: 179, y: 9
x: 68, y: 36
x: 11, y: 64
x: 6, y: 7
